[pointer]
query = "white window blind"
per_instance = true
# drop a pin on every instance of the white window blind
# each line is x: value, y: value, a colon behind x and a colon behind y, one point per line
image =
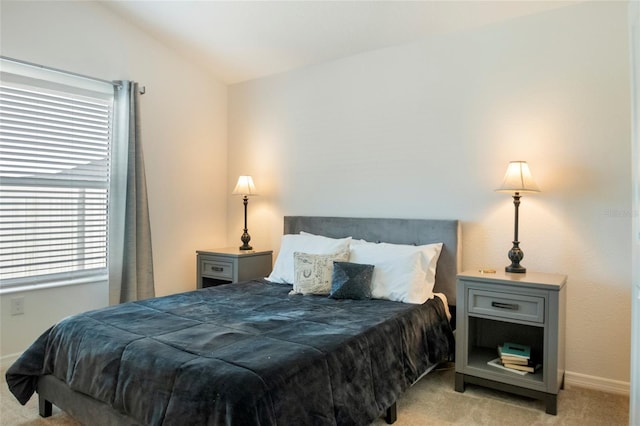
x: 55, y: 144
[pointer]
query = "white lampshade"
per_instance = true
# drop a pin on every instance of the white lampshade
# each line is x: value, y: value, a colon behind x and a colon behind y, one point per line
x: 245, y: 186
x: 518, y: 179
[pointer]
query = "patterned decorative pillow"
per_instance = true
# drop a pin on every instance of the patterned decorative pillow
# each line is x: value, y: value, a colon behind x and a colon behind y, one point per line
x: 308, y: 243
x: 351, y: 281
x: 313, y: 272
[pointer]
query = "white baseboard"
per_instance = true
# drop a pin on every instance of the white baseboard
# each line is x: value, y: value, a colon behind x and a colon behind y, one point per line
x: 596, y: 383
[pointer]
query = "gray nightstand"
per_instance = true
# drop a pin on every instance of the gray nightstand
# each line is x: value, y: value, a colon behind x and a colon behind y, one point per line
x: 529, y: 309
x: 230, y: 265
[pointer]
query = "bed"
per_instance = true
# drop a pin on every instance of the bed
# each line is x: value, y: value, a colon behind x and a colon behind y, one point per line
x: 250, y: 353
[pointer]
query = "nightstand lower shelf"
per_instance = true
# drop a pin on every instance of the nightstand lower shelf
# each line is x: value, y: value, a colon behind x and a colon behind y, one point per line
x: 478, y: 358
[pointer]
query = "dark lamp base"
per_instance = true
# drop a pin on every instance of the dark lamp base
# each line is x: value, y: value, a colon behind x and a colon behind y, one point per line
x: 516, y: 269
x: 245, y: 241
x: 515, y: 256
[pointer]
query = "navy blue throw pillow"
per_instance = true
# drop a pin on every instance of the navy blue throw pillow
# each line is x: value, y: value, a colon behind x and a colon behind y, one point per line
x: 351, y: 281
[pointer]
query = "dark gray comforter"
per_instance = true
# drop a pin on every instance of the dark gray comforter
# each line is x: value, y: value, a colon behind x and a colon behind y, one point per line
x: 242, y: 354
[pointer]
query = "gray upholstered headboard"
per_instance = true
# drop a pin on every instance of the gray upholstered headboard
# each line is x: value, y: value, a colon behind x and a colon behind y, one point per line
x: 397, y: 231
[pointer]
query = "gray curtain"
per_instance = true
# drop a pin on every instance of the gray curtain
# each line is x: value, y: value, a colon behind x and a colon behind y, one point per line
x: 137, y: 261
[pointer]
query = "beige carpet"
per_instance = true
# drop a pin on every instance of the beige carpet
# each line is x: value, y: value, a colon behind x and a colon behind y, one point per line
x: 432, y: 401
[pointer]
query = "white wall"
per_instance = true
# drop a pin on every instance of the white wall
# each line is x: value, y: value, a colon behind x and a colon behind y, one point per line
x: 183, y: 117
x: 426, y: 131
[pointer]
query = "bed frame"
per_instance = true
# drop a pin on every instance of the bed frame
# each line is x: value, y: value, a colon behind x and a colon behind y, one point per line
x: 52, y: 391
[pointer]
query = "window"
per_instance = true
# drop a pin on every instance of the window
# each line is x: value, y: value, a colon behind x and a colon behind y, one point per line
x: 56, y: 133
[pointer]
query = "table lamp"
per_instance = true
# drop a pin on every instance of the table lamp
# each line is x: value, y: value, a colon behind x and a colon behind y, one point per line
x: 517, y: 179
x: 245, y: 187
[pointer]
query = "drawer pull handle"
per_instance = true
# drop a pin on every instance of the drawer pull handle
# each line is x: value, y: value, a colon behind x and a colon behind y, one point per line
x: 217, y: 268
x: 500, y: 305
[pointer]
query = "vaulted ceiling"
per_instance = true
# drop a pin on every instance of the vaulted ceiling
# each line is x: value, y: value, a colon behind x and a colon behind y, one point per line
x: 244, y: 40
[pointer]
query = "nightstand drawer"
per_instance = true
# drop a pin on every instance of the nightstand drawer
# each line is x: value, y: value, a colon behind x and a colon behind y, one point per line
x: 506, y: 305
x: 214, y: 268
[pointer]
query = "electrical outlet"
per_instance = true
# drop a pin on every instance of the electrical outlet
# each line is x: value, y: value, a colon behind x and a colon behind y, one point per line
x: 17, y: 305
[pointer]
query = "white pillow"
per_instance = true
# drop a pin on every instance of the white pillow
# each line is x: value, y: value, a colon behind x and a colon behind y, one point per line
x: 402, y: 273
x: 307, y: 243
x: 313, y: 272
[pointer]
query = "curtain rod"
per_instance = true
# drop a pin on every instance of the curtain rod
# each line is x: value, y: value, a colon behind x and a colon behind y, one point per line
x: 142, y: 89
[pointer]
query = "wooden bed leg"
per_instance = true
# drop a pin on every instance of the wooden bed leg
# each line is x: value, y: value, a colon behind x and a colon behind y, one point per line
x: 45, y: 407
x: 392, y: 414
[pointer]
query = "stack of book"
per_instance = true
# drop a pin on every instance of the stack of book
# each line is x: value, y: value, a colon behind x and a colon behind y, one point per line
x: 516, y: 358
